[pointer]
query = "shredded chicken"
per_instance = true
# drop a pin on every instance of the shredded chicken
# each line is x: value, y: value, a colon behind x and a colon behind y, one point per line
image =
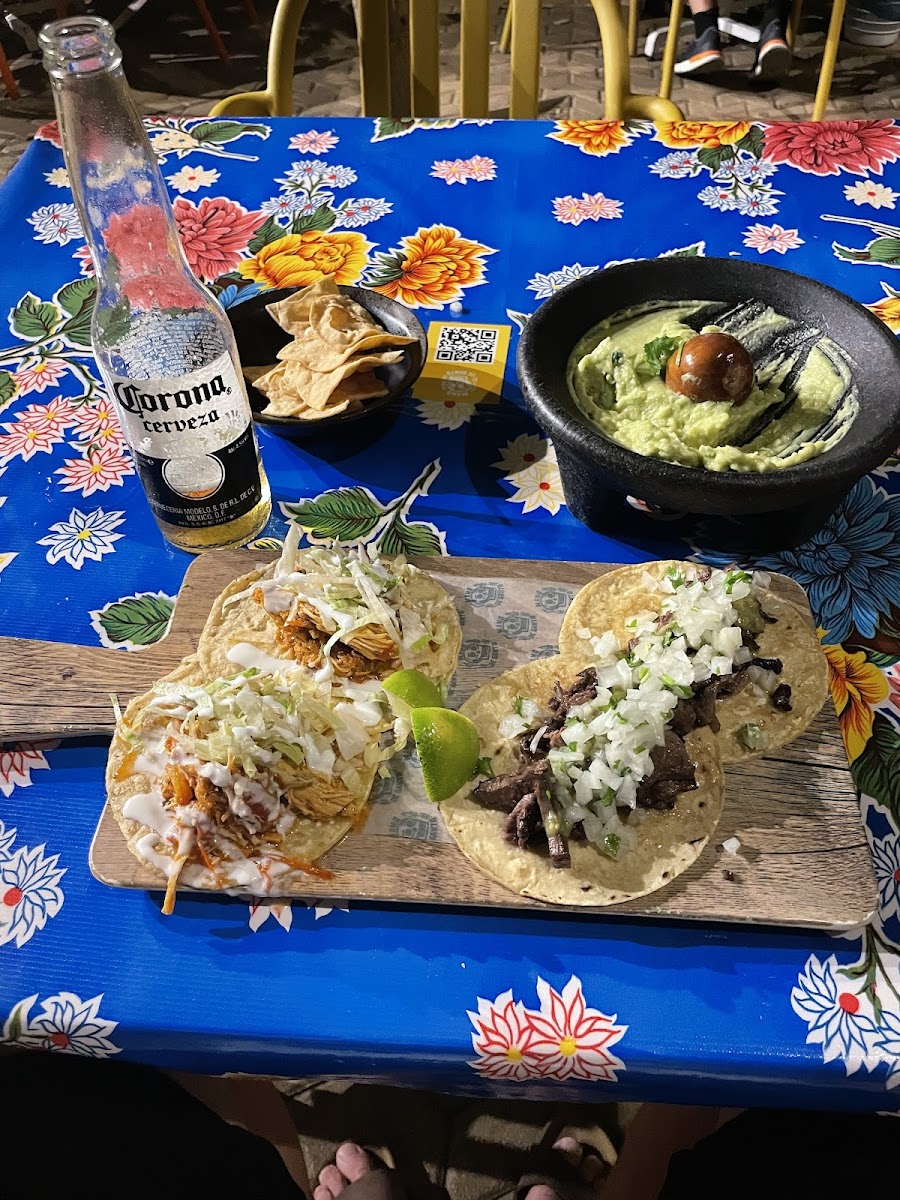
x: 354, y: 659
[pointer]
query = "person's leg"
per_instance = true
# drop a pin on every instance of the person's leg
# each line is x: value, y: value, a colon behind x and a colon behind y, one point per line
x: 773, y: 55
x: 705, y: 50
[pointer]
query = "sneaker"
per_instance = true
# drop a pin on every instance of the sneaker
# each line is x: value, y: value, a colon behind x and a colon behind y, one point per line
x: 703, y: 54
x: 773, y: 57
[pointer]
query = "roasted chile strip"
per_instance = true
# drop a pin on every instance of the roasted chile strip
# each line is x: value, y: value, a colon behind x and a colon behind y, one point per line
x: 781, y: 697
x: 556, y: 843
x: 775, y: 665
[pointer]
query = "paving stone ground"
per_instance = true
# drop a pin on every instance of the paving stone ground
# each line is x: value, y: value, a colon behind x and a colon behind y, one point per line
x: 173, y: 68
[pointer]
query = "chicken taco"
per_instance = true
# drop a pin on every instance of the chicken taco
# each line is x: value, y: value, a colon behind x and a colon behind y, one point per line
x: 346, y: 614
x: 243, y: 782
x: 758, y: 675
x: 591, y: 798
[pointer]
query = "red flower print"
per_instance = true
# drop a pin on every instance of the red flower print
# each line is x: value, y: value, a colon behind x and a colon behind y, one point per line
x: 22, y: 441
x: 50, y: 133
x: 98, y: 424
x: 16, y: 765
x: 97, y: 471
x: 85, y: 260
x: 38, y: 376
x: 829, y: 147
x: 214, y: 234
x: 502, y: 1040
x: 570, y: 1039
x: 564, y: 1039
x: 56, y: 415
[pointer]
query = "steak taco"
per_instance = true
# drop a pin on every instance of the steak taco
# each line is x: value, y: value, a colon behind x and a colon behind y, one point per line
x: 347, y: 614
x: 759, y: 675
x: 243, y: 782
x: 592, y: 797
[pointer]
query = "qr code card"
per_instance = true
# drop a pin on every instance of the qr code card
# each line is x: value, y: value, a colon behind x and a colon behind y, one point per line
x: 465, y: 363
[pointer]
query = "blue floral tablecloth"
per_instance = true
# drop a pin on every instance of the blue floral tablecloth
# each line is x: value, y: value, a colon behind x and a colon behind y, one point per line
x: 472, y: 224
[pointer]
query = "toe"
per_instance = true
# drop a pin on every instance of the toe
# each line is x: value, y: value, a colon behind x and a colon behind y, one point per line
x: 322, y: 1193
x: 541, y: 1191
x: 333, y: 1180
x: 592, y: 1169
x: 569, y: 1149
x: 353, y: 1161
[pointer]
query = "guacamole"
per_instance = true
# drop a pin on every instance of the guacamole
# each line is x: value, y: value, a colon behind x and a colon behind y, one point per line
x: 803, y: 400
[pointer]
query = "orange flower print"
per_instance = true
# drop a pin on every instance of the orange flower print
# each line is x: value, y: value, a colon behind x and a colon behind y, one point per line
x: 709, y: 135
x: 855, y: 686
x: 299, y: 259
x: 888, y: 308
x: 431, y: 268
x: 594, y: 137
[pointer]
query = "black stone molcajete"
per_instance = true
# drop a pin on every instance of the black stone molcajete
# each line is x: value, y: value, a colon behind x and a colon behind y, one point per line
x: 760, y: 510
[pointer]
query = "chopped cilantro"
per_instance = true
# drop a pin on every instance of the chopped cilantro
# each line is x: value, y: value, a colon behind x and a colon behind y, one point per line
x: 520, y: 700
x: 483, y: 767
x: 611, y: 844
x: 658, y: 352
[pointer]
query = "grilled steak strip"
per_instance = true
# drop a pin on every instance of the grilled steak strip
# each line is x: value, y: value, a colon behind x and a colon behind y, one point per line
x: 504, y: 792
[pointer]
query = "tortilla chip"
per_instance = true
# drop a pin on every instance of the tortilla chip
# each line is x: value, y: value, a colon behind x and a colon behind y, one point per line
x: 319, y: 356
x: 292, y: 313
x: 668, y: 842
x: 315, y: 388
x: 608, y: 601
x: 339, y: 321
x: 272, y: 382
x: 363, y: 385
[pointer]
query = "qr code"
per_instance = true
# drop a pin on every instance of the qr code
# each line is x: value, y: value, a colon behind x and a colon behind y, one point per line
x: 457, y: 344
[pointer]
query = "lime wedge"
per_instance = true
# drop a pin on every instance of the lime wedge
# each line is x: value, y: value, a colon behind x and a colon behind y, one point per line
x: 411, y: 689
x: 447, y: 743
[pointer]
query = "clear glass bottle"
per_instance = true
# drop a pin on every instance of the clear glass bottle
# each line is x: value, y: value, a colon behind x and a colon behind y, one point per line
x: 163, y: 344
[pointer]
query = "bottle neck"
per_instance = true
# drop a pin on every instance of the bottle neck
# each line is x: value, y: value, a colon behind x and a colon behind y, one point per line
x: 115, y: 179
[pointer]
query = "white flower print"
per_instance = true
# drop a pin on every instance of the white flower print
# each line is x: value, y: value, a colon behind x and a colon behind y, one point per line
x: 322, y: 909
x: 866, y: 191
x: 752, y: 170
x: 721, y: 198
x: 339, y: 177
x: 84, y: 536
x: 7, y: 837
x: 65, y: 1023
x: 303, y: 172
x: 678, y: 165
x: 58, y: 177
x: 529, y: 464
x: 16, y: 764
x: 353, y: 213
x: 446, y: 414
x: 545, y: 285
x: 889, y: 1045
x: 260, y: 913
x: 501, y: 1039
x: 29, y: 893
x: 523, y: 451
x: 56, y: 223
x: 283, y: 206
x: 837, y: 1017
x: 886, y: 861
x: 758, y: 203
x: 538, y: 487
x: 191, y: 179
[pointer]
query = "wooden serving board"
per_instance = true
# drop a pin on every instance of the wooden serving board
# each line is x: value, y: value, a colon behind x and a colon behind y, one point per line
x: 803, y: 861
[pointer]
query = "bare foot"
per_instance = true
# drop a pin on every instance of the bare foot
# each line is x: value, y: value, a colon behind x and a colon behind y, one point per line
x: 351, y: 1162
x: 591, y: 1169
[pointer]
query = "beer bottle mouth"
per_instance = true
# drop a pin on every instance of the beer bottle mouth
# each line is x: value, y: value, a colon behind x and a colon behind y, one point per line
x: 79, y: 46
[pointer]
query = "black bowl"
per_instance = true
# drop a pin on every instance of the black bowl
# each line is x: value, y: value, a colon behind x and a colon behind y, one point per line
x: 259, y: 339
x: 591, y: 466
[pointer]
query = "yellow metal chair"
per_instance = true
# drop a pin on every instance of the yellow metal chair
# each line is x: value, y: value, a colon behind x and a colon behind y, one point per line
x: 375, y: 55
x: 829, y: 55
